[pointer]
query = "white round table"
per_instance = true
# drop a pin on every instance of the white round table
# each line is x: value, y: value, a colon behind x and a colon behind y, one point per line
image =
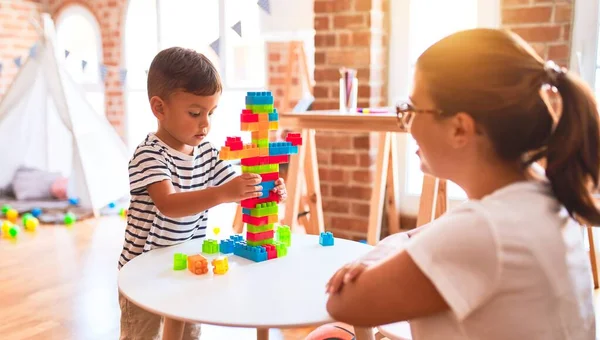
x: 285, y: 292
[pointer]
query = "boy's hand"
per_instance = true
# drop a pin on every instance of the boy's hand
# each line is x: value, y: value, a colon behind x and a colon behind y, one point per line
x: 242, y: 187
x: 280, y: 190
x: 345, y: 275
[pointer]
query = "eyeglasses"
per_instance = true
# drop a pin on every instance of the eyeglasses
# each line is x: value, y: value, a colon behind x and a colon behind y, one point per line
x: 405, y: 112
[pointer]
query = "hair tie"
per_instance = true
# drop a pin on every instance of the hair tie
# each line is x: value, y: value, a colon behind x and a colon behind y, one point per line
x: 553, y: 72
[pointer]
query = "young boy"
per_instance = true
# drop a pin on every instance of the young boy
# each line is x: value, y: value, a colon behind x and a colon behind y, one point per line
x: 175, y: 174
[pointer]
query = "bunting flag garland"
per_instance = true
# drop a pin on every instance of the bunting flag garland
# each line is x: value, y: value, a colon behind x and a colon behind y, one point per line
x: 215, y: 46
x: 237, y: 28
x: 264, y: 4
x: 17, y: 61
x: 83, y: 65
x: 103, y: 72
x: 146, y: 72
x: 33, y: 50
x: 67, y: 54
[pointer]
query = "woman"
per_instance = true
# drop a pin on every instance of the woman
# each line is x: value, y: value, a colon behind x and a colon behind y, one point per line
x: 509, y: 263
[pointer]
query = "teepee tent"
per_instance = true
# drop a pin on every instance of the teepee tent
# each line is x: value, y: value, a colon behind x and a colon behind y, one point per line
x: 46, y: 123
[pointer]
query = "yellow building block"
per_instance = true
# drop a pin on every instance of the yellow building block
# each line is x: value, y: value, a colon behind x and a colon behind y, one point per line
x: 249, y: 151
x: 220, y: 265
x: 273, y: 125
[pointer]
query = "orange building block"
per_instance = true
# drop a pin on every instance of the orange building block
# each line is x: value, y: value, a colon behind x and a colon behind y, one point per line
x: 220, y: 265
x: 197, y: 264
x: 249, y: 127
x: 262, y: 134
x: 263, y: 117
x: 272, y: 219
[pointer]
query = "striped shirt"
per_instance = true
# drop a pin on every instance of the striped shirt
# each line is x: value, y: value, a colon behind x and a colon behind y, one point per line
x: 154, y: 161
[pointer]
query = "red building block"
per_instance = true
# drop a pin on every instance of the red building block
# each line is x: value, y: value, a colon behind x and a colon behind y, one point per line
x: 255, y: 220
x: 279, y: 159
x: 294, y: 138
x: 271, y: 251
x: 234, y: 143
x: 251, y: 203
x: 254, y: 161
x: 248, y: 117
x: 260, y: 236
x: 272, y: 176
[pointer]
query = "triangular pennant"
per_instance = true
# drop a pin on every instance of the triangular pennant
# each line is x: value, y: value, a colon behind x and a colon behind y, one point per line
x: 83, y: 65
x: 146, y: 72
x: 238, y: 28
x: 33, y: 50
x: 67, y: 54
x: 17, y: 61
x: 215, y: 46
x: 123, y: 75
x: 103, y: 72
x: 264, y: 4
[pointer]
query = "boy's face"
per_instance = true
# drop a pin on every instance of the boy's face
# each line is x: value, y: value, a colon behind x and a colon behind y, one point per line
x: 185, y: 116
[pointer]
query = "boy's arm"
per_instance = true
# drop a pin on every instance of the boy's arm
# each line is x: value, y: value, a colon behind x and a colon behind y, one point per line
x: 180, y: 204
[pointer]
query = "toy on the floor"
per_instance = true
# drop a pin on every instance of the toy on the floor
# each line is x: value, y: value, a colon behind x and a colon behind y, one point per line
x: 36, y: 212
x: 12, y: 215
x: 197, y: 264
x: 73, y: 200
x: 29, y: 222
x: 326, y: 239
x: 123, y: 212
x: 220, y: 265
x: 70, y: 218
x: 5, y: 208
x: 331, y: 332
x: 9, y: 230
x: 179, y: 261
x: 261, y: 157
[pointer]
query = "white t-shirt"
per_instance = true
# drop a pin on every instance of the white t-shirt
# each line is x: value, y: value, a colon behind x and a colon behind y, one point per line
x: 510, y: 266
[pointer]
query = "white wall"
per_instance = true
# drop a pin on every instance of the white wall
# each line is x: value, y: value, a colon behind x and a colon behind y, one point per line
x: 288, y: 17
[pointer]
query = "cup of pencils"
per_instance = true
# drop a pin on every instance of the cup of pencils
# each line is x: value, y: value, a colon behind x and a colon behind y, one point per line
x: 348, y: 90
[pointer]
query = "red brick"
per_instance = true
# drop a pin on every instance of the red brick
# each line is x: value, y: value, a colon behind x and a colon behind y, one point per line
x: 360, y: 209
x: 563, y: 13
x: 349, y: 159
x: 342, y: 5
x: 329, y: 105
x: 336, y: 206
x: 365, y: 160
x: 363, y: 5
x: 325, y: 190
x: 527, y: 15
x: 556, y: 52
x: 326, y: 74
x: 349, y: 223
x: 349, y: 21
x: 330, y: 141
x: 323, y: 156
x: 566, y: 32
x: 344, y: 39
x: 322, y: 22
x: 362, y: 38
x: 539, y: 34
x: 361, y: 142
x: 324, y: 39
x: 362, y: 176
x: 352, y: 192
x: 510, y: 3
x: 324, y: 6
x: 319, y: 58
x: 322, y: 91
x: 274, y: 56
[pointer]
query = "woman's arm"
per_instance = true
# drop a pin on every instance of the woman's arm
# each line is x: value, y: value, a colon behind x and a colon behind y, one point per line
x: 390, y: 291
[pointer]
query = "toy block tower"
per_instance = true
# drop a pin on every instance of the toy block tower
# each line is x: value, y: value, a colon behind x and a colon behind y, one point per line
x: 260, y: 157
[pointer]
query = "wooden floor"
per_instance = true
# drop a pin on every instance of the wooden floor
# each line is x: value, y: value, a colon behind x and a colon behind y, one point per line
x: 61, y: 283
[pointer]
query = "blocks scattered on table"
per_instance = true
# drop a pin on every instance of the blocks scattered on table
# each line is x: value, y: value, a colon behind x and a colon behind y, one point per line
x: 226, y: 246
x: 326, y: 239
x: 210, y: 246
x: 197, y: 264
x: 179, y: 261
x: 220, y: 265
x: 252, y: 253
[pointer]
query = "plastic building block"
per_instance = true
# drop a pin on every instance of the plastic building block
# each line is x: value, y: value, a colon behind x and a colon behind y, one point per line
x: 259, y: 98
x: 270, y: 177
x: 281, y: 249
x: 251, y: 203
x: 260, y: 169
x: 284, y: 235
x: 261, y: 143
x: 260, y: 243
x: 236, y: 238
x: 273, y: 126
x: 274, y: 116
x: 260, y: 134
x: 271, y: 251
x: 226, y: 246
x: 248, y: 117
x: 220, y: 265
x: 265, y: 235
x: 251, y: 228
x: 234, y: 143
x: 326, y: 239
x: 197, y: 264
x: 260, y: 109
x: 9, y: 230
x: 249, y: 126
x: 262, y: 117
x: 254, y: 161
x: 294, y: 138
x: 255, y: 220
x: 210, y: 247
x: 279, y: 159
x: 252, y: 253
x: 264, y: 209
x: 179, y: 261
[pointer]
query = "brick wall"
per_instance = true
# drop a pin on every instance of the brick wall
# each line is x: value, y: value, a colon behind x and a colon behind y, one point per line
x: 350, y: 33
x: 546, y: 24
x: 17, y: 36
x: 278, y: 58
x: 110, y: 15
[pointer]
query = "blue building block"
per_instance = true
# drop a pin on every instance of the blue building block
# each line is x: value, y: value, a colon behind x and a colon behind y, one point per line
x: 236, y: 238
x: 226, y: 246
x: 326, y: 239
x: 274, y: 116
x: 266, y: 188
x: 280, y: 148
x: 259, y: 98
x: 256, y: 254
x: 246, y: 211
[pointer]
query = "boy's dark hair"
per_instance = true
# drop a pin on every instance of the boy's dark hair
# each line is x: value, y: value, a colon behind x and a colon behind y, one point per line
x: 497, y: 78
x: 178, y: 68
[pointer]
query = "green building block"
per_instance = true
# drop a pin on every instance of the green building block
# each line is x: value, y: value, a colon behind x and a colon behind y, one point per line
x: 261, y: 143
x: 179, y: 261
x: 264, y: 209
x: 284, y: 235
x: 5, y: 208
x: 259, y: 243
x: 260, y: 169
x: 259, y: 228
x: 210, y: 246
x: 267, y: 108
x: 281, y: 249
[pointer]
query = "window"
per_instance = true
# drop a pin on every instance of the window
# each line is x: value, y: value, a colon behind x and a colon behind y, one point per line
x: 417, y: 26
x: 158, y: 24
x: 78, y: 32
x: 585, y: 54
